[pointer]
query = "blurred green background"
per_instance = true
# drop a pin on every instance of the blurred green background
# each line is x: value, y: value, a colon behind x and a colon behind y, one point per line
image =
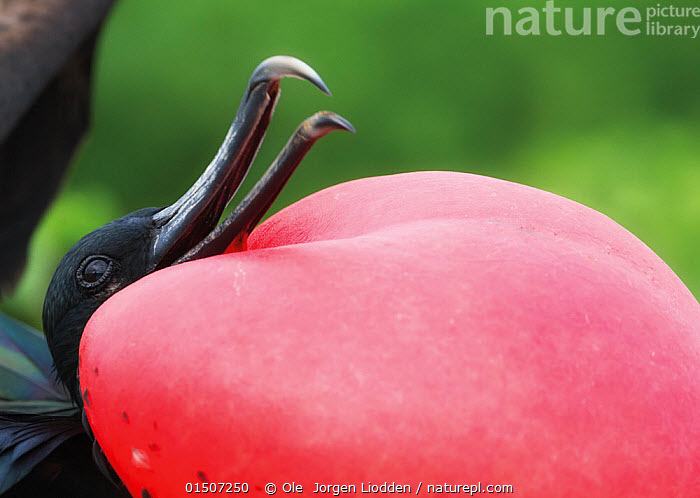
x: 610, y: 121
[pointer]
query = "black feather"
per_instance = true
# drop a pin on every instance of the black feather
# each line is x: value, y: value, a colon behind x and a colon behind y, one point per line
x: 68, y: 471
x: 44, y: 450
x: 26, y: 365
x: 36, y: 413
x: 28, y: 439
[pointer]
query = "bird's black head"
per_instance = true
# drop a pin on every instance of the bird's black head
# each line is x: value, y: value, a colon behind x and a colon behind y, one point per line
x: 125, y: 250
x: 100, y: 264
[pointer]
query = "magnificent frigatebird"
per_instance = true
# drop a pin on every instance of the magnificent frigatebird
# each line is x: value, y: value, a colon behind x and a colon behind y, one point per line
x: 125, y: 250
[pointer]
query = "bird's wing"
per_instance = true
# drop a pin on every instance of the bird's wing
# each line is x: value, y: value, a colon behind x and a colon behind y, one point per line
x: 36, y: 413
x: 46, y: 51
x: 26, y: 440
x: 26, y: 365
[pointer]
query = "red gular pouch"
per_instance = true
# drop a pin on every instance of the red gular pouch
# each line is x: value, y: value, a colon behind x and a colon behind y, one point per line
x: 430, y: 328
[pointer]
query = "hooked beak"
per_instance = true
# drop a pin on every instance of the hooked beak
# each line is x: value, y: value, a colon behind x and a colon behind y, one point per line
x: 187, y: 229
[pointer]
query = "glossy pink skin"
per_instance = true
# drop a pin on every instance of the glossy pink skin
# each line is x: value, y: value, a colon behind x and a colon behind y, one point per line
x: 436, y: 327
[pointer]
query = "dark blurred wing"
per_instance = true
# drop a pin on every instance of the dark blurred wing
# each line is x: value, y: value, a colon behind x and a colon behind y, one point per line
x: 36, y: 414
x: 46, y: 49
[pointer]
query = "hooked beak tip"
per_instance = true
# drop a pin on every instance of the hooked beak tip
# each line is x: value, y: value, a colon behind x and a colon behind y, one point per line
x: 281, y: 66
x: 324, y: 122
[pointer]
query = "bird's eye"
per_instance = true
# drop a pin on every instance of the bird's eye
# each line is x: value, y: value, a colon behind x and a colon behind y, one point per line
x: 94, y: 271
